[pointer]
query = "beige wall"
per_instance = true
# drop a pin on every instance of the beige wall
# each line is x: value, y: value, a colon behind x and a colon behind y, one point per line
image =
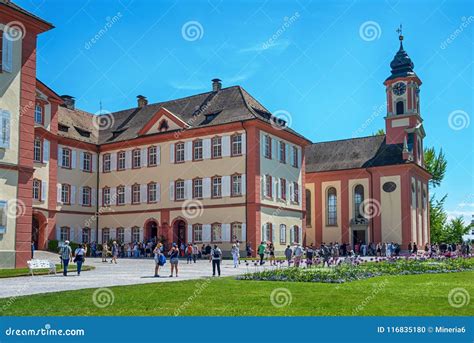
x: 277, y: 217
x: 391, y: 211
x: 10, y: 83
x: 279, y: 170
x: 76, y: 222
x: 8, y: 192
x: 77, y: 179
x: 166, y: 172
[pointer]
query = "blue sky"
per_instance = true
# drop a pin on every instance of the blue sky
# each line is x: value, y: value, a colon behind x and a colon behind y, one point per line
x: 323, y: 62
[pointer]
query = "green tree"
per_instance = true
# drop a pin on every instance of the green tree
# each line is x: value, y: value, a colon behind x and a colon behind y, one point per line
x: 455, y: 230
x: 438, y: 220
x: 379, y: 132
x: 436, y: 164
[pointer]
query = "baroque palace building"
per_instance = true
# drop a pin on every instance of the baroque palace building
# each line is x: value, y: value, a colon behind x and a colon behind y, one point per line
x: 215, y: 167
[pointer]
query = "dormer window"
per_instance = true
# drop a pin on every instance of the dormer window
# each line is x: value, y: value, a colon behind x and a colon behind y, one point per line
x: 163, y: 126
x: 83, y: 133
x: 63, y: 128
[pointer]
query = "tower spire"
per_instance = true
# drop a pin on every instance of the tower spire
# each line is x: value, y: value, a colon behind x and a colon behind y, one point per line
x: 400, y: 36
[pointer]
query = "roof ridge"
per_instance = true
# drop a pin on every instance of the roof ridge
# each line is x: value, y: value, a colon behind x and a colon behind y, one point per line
x: 166, y: 101
x: 348, y: 139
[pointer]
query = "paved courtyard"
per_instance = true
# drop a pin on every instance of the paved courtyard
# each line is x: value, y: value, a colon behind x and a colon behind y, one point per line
x: 125, y: 272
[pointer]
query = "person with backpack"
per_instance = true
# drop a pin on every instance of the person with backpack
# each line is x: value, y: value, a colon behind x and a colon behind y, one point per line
x: 174, y: 259
x: 216, y: 256
x: 66, y: 254
x: 160, y: 259
x: 79, y: 257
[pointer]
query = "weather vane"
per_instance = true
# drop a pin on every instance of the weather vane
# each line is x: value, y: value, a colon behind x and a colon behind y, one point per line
x: 400, y: 31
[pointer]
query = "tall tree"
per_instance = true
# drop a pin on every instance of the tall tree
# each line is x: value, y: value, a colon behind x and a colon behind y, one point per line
x: 436, y: 164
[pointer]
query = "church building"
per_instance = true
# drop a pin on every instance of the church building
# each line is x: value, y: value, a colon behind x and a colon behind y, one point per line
x: 373, y: 189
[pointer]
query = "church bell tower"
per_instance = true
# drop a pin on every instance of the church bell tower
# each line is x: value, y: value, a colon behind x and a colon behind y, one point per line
x: 403, y: 123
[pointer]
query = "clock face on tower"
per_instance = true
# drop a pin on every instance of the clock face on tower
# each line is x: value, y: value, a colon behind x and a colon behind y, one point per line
x: 399, y: 88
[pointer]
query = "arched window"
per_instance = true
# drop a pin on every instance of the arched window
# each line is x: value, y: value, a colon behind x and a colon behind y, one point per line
x: 331, y: 206
x: 358, y: 199
x: 400, y: 107
x: 308, y: 207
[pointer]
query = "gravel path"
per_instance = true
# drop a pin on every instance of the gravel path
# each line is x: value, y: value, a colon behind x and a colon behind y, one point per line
x: 125, y: 272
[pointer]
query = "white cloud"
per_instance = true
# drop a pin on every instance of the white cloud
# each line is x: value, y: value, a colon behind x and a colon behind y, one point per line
x: 467, y: 215
x: 278, y: 45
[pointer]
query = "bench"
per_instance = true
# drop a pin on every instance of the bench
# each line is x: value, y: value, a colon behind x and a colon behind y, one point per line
x: 41, y: 264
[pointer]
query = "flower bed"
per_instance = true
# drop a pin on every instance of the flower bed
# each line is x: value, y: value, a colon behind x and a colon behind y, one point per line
x: 358, y: 269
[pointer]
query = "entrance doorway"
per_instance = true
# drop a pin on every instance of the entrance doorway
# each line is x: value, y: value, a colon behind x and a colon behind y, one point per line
x: 151, y: 230
x: 358, y: 236
x: 35, y: 231
x: 179, y: 232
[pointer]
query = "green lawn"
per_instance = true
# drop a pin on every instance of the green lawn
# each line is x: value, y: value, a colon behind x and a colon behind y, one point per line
x: 4, y: 273
x: 415, y: 295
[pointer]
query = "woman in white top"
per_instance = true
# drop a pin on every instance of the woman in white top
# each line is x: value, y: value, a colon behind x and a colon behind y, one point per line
x: 235, y: 255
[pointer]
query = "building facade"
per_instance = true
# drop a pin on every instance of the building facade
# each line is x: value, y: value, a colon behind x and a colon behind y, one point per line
x: 215, y: 167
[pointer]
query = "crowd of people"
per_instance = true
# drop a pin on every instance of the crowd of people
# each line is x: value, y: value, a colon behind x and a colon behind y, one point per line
x: 294, y: 255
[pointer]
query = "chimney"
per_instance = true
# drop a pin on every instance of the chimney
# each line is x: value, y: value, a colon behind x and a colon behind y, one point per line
x: 216, y: 85
x: 69, y: 101
x: 142, y: 101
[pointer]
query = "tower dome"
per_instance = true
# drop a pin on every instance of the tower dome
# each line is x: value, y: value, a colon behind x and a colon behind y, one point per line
x: 401, y: 65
